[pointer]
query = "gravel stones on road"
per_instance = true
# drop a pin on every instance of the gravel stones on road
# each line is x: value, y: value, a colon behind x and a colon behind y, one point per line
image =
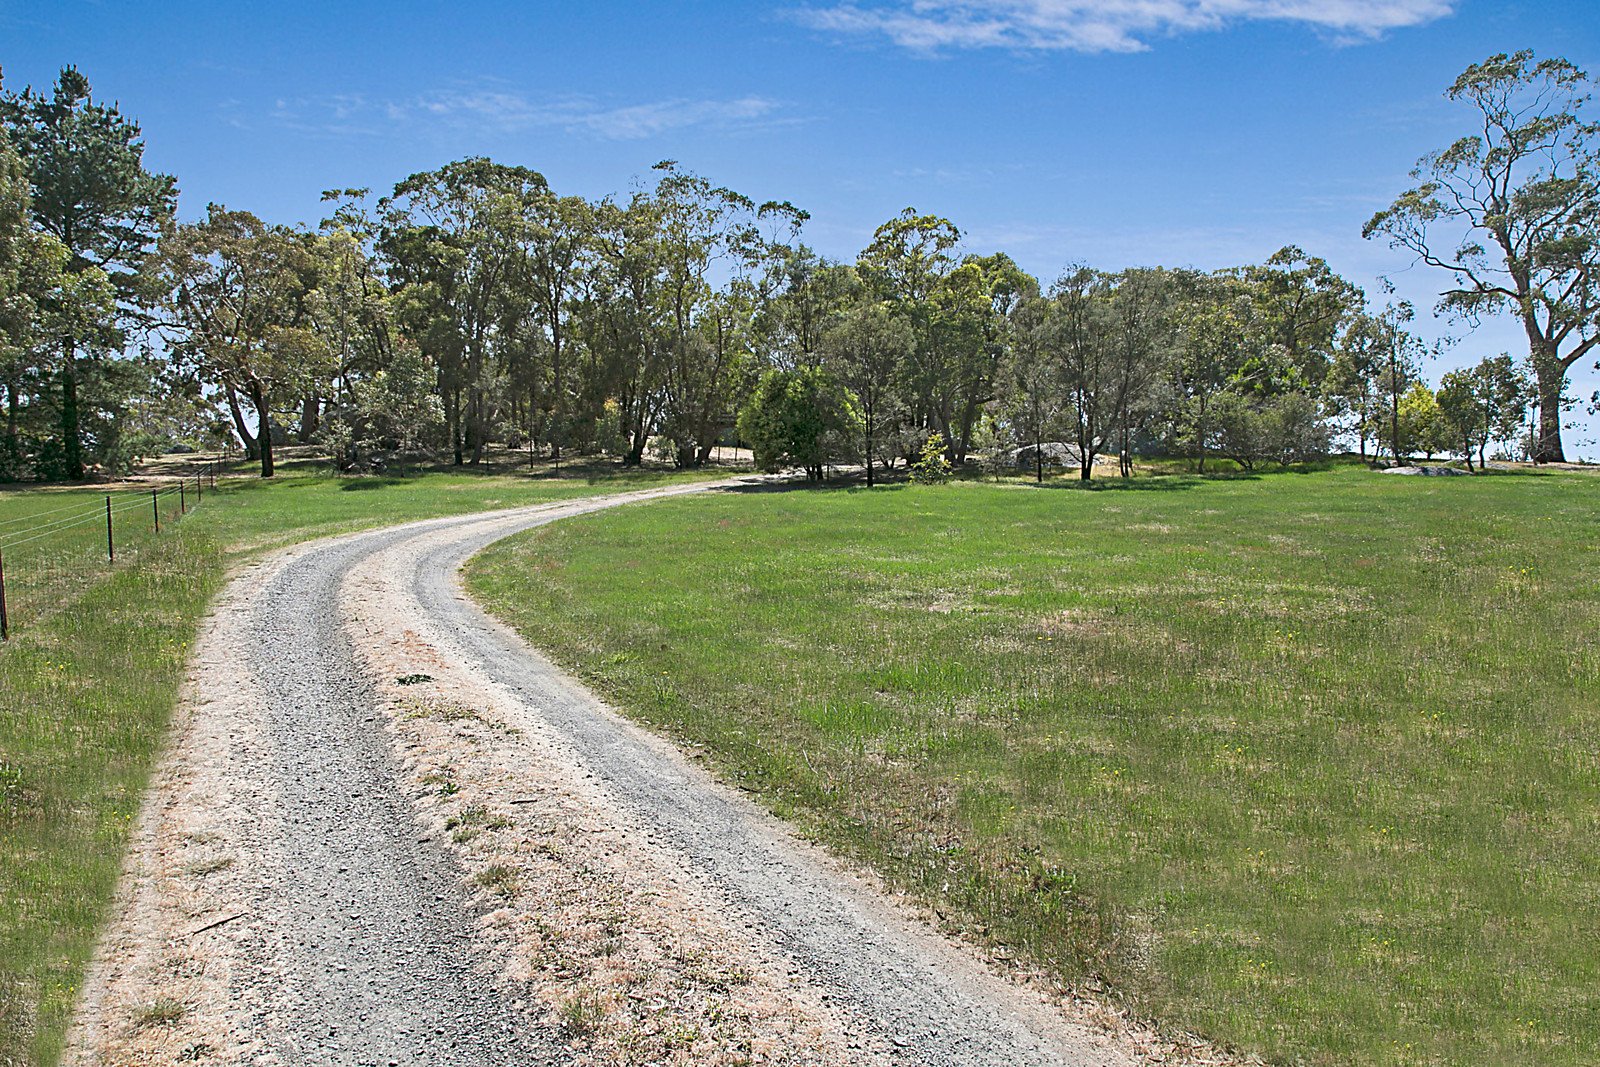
x: 369, y: 931
x: 487, y: 866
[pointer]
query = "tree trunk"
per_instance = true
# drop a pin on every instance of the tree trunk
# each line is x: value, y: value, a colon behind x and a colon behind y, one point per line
x: 13, y: 405
x: 1552, y: 378
x: 869, y: 448
x: 252, y: 447
x: 453, y: 417
x: 969, y: 419
x: 558, y: 406
x: 310, y: 418
x: 475, y: 424
x: 70, y: 423
x: 258, y: 398
x: 942, y: 424
x: 1394, y: 414
x: 637, y: 442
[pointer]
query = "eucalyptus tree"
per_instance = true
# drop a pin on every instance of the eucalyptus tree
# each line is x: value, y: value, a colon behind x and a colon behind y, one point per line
x: 803, y: 295
x: 1032, y: 395
x: 973, y: 309
x: 1352, y: 389
x: 907, y: 263
x: 237, y: 316
x: 704, y: 229
x: 1399, y: 366
x: 729, y: 369
x: 624, y: 310
x: 1503, y: 392
x: 1458, y: 407
x: 1301, y: 305
x: 1085, y: 346
x: 455, y: 241
x: 908, y: 257
x: 867, y: 350
x: 680, y: 273
x: 353, y: 311
x: 1512, y: 212
x: 1483, y: 403
x: 1218, y: 337
x: 91, y: 191
x: 555, y: 249
x: 1142, y: 328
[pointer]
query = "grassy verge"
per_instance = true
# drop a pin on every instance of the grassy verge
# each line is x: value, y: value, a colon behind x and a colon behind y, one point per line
x: 90, y: 678
x: 1305, y: 762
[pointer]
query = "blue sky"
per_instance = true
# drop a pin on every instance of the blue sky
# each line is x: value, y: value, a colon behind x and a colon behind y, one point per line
x: 1113, y: 132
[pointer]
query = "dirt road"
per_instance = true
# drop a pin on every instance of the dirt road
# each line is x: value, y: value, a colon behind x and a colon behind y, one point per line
x: 389, y: 832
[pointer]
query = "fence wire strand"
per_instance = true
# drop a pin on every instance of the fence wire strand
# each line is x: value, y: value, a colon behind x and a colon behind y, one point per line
x: 39, y: 514
x: 47, y: 578
x: 94, y: 511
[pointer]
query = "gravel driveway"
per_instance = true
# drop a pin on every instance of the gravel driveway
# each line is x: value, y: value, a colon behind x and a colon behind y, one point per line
x: 303, y: 809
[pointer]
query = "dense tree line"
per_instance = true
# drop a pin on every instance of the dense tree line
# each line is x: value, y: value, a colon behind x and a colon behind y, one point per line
x: 474, y: 306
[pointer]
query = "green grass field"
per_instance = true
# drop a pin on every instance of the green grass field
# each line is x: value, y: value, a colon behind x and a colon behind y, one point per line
x: 1307, y: 762
x: 90, y: 677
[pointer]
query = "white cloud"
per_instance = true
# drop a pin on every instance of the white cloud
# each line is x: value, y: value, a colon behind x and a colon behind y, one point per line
x: 507, y: 111
x: 513, y: 111
x: 1102, y: 25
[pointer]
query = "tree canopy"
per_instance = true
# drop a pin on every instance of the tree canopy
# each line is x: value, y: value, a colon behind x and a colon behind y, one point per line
x: 1512, y: 212
x: 474, y: 306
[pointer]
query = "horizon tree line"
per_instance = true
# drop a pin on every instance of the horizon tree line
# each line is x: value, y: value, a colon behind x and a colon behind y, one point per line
x: 473, y: 306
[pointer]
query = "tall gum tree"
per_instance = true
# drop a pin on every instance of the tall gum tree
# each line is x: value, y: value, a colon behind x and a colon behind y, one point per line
x: 907, y: 264
x: 1519, y: 201
x: 455, y: 239
x: 237, y: 314
x: 868, y: 348
x: 703, y: 230
x: 1142, y: 329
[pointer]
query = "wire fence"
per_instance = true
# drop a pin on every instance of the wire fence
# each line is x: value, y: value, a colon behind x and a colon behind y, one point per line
x: 49, y: 554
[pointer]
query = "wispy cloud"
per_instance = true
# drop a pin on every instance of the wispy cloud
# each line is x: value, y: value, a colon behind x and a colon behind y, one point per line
x: 578, y: 114
x: 1101, y: 25
x: 505, y: 111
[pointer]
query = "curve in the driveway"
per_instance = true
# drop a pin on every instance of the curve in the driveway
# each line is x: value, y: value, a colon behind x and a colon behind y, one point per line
x: 355, y: 941
x: 932, y: 1001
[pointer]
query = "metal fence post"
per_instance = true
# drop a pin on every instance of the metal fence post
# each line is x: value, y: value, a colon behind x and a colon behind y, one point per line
x: 155, y: 510
x: 111, y: 545
x: 183, y: 508
x: 5, y: 621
